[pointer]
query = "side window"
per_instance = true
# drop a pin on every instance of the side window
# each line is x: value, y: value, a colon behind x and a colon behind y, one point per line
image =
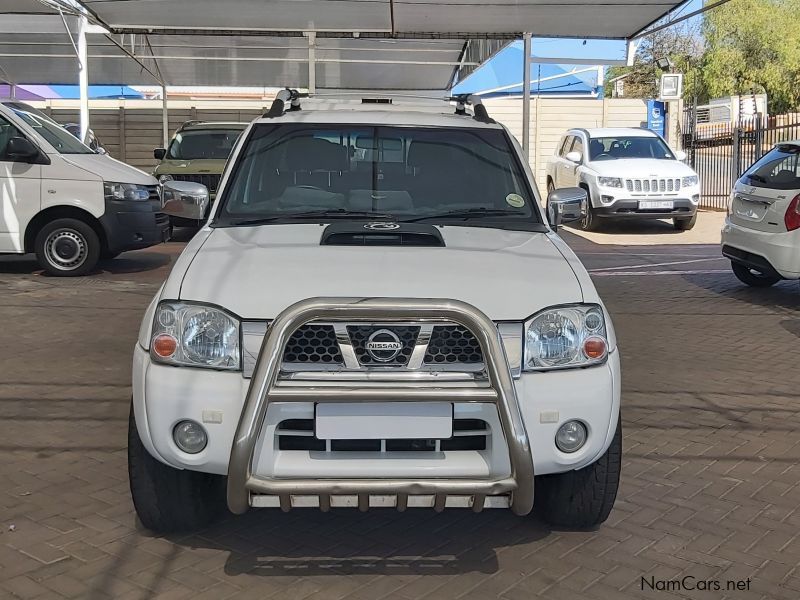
x: 565, y: 144
x: 577, y: 146
x: 7, y: 131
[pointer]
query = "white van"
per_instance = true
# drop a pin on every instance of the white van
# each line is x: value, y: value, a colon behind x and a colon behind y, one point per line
x: 68, y: 204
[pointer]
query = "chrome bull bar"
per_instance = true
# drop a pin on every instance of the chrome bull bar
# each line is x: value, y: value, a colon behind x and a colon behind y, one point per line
x: 263, y: 390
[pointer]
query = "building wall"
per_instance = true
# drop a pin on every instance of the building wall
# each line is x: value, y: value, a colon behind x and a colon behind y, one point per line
x: 138, y: 122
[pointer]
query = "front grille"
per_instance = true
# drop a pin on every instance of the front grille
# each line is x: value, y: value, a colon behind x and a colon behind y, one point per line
x: 313, y: 344
x: 299, y: 434
x: 210, y: 180
x: 653, y: 185
x: 452, y: 344
x: 360, y: 334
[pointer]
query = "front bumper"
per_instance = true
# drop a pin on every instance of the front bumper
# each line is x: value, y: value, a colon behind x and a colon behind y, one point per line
x: 769, y: 253
x: 629, y: 208
x: 242, y: 439
x: 134, y: 225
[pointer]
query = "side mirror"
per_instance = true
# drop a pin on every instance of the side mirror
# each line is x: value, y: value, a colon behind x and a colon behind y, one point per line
x: 101, y: 150
x: 185, y: 199
x: 574, y: 157
x: 566, y: 205
x: 21, y: 149
x: 680, y: 155
x: 159, y: 153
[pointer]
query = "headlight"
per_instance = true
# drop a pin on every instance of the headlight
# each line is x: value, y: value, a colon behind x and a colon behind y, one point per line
x: 566, y: 337
x: 195, y: 335
x: 690, y: 181
x: 125, y: 191
x: 614, y: 182
x: 164, y: 178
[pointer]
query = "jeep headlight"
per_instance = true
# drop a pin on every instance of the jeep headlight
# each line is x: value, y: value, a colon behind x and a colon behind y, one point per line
x: 690, y: 181
x: 195, y: 335
x: 125, y: 191
x: 566, y: 337
x: 614, y: 182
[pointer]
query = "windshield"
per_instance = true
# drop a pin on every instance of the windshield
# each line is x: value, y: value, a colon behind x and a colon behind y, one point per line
x: 211, y: 144
x: 399, y: 173
x: 613, y: 148
x: 778, y: 169
x: 58, y: 137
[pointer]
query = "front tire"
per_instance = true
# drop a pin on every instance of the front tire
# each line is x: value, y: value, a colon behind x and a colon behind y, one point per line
x: 753, y: 278
x: 684, y: 224
x: 67, y: 248
x: 583, y: 498
x: 590, y: 221
x: 168, y: 499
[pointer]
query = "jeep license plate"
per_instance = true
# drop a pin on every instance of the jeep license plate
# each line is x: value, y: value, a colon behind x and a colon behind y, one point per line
x: 656, y: 205
x: 384, y: 420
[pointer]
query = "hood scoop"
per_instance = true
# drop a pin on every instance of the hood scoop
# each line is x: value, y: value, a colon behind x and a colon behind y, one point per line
x: 382, y: 233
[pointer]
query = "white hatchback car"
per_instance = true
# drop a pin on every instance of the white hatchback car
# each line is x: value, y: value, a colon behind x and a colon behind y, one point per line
x: 628, y: 173
x: 761, y: 235
x: 377, y: 314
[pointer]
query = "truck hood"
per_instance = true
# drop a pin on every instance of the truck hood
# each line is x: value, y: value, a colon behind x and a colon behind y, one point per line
x: 200, y: 165
x: 109, y: 169
x: 256, y: 272
x: 641, y: 168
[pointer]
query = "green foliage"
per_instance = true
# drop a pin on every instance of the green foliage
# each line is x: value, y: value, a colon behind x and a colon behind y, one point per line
x: 754, y: 45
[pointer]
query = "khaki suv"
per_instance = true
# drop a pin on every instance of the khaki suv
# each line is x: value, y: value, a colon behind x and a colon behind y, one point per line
x: 197, y: 152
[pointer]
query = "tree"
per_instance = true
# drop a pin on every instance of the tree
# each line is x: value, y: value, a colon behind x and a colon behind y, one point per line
x: 753, y: 46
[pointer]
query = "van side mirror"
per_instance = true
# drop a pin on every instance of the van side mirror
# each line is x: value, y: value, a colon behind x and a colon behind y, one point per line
x: 159, y: 153
x: 566, y: 205
x: 574, y: 157
x: 21, y: 149
x: 185, y: 199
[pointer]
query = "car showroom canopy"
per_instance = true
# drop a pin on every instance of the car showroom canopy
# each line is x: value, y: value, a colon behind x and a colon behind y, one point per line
x: 354, y: 44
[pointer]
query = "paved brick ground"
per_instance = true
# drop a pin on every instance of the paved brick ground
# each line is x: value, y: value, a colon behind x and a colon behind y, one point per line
x: 710, y: 476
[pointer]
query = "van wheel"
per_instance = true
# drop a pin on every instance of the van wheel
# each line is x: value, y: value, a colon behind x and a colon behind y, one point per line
x: 685, y: 224
x: 753, y: 278
x: 67, y: 248
x: 168, y: 499
x: 583, y: 498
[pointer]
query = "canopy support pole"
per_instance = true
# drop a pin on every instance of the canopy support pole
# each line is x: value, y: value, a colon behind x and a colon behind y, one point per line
x: 83, y: 78
x: 312, y: 61
x: 164, y: 116
x: 526, y: 94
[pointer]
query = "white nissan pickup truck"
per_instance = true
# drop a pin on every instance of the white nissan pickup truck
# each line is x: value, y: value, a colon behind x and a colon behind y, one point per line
x: 377, y: 313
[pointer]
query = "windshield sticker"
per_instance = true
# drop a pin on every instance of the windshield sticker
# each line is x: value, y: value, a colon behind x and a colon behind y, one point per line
x: 515, y: 200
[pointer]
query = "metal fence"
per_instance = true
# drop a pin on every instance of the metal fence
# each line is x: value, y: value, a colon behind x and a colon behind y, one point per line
x: 721, y: 152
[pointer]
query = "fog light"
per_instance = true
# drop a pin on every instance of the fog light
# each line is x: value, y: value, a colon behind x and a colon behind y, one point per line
x: 190, y: 436
x: 571, y: 436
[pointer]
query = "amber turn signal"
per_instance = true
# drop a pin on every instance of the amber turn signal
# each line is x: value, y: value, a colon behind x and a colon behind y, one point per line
x: 594, y: 347
x: 164, y: 345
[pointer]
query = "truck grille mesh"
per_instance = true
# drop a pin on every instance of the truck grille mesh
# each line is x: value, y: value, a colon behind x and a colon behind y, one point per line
x: 210, y: 180
x: 452, y: 344
x: 314, y: 344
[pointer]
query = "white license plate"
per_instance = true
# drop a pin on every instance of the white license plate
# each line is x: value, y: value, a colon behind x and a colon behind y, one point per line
x: 384, y: 420
x: 656, y: 204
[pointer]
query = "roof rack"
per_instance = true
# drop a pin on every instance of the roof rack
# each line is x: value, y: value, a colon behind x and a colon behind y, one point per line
x: 292, y: 96
x: 186, y: 124
x: 286, y: 95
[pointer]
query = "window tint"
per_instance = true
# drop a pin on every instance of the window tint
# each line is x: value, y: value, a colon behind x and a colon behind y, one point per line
x: 611, y: 148
x: 7, y: 131
x: 58, y: 137
x: 778, y: 169
x: 404, y: 172
x: 213, y: 144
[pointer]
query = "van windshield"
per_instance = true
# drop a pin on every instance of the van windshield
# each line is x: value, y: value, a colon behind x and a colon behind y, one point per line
x: 612, y: 148
x: 197, y: 144
x: 309, y: 172
x: 55, y: 135
x: 778, y: 169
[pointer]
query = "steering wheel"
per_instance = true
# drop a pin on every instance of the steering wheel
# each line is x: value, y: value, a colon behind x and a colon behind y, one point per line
x: 603, y: 155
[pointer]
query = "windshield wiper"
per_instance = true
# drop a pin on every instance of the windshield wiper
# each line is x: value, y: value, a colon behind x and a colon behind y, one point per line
x: 468, y: 213
x: 339, y: 213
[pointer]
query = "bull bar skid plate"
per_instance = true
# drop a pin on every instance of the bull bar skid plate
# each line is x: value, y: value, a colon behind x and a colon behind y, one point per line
x: 263, y: 390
